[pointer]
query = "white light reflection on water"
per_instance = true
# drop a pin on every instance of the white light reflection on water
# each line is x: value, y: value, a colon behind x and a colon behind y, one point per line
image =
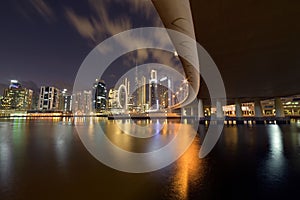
x: 274, y: 168
x: 5, y: 155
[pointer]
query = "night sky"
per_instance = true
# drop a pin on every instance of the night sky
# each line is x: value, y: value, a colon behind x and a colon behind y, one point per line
x: 46, y: 41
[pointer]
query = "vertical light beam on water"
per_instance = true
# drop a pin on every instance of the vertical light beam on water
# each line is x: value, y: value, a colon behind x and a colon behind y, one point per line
x: 274, y: 167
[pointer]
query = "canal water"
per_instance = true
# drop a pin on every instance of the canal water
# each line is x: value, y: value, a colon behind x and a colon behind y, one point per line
x: 45, y: 159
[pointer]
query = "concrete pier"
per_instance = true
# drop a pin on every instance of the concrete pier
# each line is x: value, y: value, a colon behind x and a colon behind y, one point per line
x: 238, y: 112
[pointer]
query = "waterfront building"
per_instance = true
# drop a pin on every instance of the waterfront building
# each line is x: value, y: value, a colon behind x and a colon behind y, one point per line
x: 112, y: 98
x: 65, y: 103
x: 16, y: 98
x: 153, y: 95
x: 291, y: 105
x: 247, y: 110
x: 49, y: 98
x: 141, y: 92
x: 118, y: 100
x: 164, y: 92
x: 82, y: 102
x: 100, y: 96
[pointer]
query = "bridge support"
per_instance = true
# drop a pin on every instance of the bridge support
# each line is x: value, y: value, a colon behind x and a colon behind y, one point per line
x: 238, y: 112
x: 257, y: 108
x: 258, y: 112
x: 200, y: 109
x: 279, y: 107
x: 219, y: 109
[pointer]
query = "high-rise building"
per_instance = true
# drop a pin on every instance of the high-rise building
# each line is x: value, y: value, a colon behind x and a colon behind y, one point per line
x: 164, y: 92
x: 141, y: 92
x: 153, y: 97
x: 65, y: 101
x: 127, y: 85
x: 100, y: 96
x: 82, y: 102
x: 77, y: 99
x: 49, y: 98
x: 87, y: 101
x: 113, y: 99
x: 17, y: 98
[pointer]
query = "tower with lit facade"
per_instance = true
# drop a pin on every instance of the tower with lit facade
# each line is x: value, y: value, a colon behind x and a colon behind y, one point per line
x: 82, y: 102
x: 49, y: 98
x: 65, y: 103
x: 164, y: 92
x: 100, y: 96
x: 153, y: 96
x: 16, y: 98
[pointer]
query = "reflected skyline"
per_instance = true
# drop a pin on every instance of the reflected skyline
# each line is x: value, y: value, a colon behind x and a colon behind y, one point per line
x: 50, y: 152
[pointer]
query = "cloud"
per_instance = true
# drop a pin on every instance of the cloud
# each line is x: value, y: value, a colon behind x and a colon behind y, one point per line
x: 100, y: 23
x: 32, y: 7
x: 43, y: 9
x: 82, y: 24
x: 103, y: 22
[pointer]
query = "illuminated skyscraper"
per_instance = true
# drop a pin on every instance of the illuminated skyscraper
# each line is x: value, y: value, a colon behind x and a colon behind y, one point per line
x: 65, y: 101
x: 164, y: 92
x: 141, y: 92
x: 153, y: 97
x: 49, y: 98
x: 100, y: 97
x: 82, y: 102
x: 16, y: 98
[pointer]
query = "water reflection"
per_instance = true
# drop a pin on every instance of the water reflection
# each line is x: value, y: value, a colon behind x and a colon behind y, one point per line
x: 108, y: 143
x: 275, y: 165
x: 188, y: 174
x: 45, y: 158
x: 5, y: 154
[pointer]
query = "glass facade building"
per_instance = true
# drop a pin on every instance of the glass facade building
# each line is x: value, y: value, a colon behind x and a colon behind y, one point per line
x: 16, y: 98
x: 100, y: 96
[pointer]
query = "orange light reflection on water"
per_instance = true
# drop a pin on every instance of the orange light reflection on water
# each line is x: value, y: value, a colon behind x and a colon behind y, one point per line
x: 188, y: 171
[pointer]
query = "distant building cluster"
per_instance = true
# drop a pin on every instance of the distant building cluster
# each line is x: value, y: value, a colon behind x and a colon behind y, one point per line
x: 51, y: 99
x: 154, y: 93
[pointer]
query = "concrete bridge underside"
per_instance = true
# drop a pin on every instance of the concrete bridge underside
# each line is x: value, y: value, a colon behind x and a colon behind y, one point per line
x: 256, y: 45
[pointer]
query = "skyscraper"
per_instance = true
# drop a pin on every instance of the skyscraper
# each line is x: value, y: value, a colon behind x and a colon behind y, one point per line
x: 49, y: 98
x: 16, y: 98
x: 143, y: 90
x: 164, y: 92
x: 82, y: 102
x: 65, y: 101
x: 153, y: 97
x: 100, y: 96
x: 87, y: 101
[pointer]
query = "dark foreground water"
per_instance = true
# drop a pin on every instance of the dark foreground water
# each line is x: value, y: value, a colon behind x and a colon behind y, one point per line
x: 45, y: 159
